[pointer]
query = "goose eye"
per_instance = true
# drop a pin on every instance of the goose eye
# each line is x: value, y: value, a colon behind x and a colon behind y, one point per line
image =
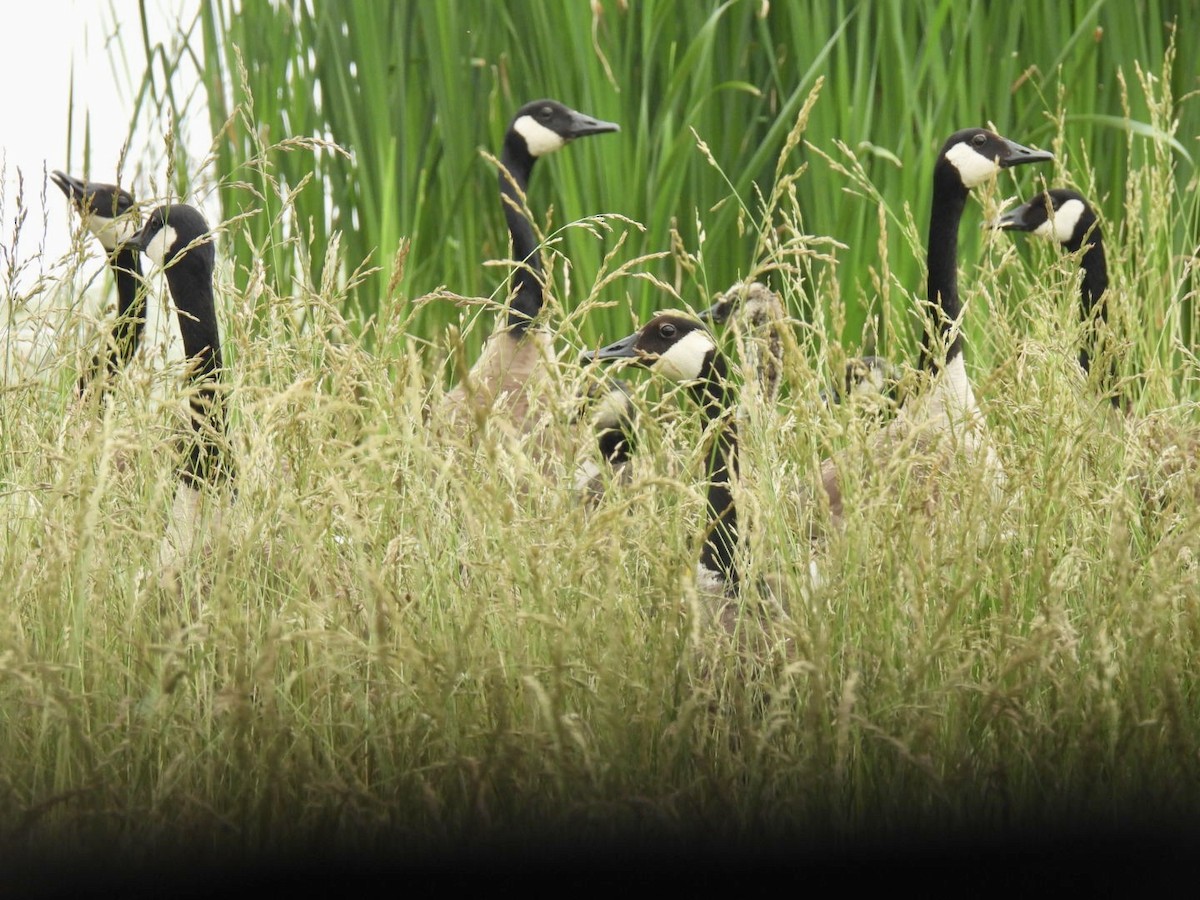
x: 545, y: 113
x: 667, y: 330
x: 979, y: 140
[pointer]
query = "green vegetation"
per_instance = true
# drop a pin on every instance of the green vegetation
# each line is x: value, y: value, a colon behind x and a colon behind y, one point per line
x: 416, y: 91
x: 398, y: 638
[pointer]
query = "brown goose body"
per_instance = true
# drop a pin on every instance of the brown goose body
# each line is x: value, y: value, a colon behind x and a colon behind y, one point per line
x: 512, y: 382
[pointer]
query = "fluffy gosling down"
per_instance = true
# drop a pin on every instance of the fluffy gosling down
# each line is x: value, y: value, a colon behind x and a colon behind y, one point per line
x: 758, y: 316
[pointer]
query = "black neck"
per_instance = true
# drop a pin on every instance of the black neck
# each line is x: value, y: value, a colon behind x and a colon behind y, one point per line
x: 616, y: 443
x: 949, y: 200
x: 1093, y: 305
x: 191, y: 288
x: 721, y: 536
x: 516, y: 164
x: 126, y: 263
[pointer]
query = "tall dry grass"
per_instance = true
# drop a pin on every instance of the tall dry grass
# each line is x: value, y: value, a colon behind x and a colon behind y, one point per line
x: 398, y: 640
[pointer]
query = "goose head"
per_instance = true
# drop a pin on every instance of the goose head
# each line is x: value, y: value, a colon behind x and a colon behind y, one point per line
x: 1060, y: 215
x: 545, y: 126
x: 175, y: 233
x: 672, y: 343
x: 975, y: 155
x: 108, y: 211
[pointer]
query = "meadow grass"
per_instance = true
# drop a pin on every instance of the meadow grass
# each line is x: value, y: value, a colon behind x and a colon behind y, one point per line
x: 399, y: 641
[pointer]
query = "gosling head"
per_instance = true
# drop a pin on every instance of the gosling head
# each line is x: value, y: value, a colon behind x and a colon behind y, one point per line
x: 757, y: 302
x: 874, y: 379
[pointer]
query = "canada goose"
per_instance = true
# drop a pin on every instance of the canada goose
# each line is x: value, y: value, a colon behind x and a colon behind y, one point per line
x: 967, y: 159
x: 177, y: 238
x: 682, y: 349
x: 109, y: 213
x: 1167, y: 451
x: 944, y: 417
x: 1063, y: 215
x: 759, y: 313
x: 512, y: 368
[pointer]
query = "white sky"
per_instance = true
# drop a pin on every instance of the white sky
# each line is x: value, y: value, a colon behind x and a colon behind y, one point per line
x: 41, y: 44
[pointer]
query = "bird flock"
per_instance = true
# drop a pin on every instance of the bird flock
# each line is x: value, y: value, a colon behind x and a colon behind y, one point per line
x: 511, y: 389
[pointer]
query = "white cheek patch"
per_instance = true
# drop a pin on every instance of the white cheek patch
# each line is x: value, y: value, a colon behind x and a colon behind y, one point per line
x: 612, y: 409
x: 685, y: 360
x: 1066, y: 217
x: 161, y: 244
x: 973, y: 167
x: 538, y: 138
x: 111, y: 233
